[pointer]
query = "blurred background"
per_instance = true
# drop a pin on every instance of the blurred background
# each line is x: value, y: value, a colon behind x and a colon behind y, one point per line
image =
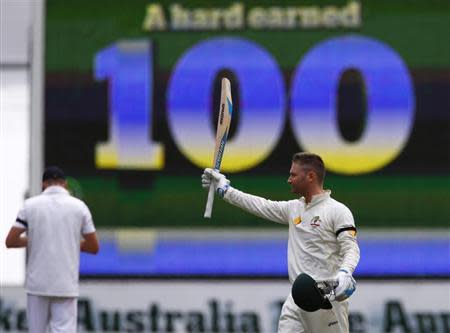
x: 124, y: 96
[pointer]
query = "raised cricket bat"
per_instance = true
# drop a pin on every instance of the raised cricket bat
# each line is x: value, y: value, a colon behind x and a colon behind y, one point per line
x: 223, y: 125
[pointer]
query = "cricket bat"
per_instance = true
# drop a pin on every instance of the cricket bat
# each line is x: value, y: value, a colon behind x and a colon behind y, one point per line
x: 223, y: 125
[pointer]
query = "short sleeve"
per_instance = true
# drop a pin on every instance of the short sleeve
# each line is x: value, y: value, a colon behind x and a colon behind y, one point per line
x: 21, y: 219
x: 88, y: 224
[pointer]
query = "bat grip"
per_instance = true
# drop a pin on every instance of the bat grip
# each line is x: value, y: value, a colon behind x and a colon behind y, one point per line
x: 209, y: 203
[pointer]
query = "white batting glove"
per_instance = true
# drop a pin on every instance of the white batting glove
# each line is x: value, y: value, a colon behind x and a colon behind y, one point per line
x: 218, y: 180
x: 346, y: 285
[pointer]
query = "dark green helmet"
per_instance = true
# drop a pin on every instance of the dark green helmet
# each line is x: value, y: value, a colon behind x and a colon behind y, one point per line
x: 307, y: 294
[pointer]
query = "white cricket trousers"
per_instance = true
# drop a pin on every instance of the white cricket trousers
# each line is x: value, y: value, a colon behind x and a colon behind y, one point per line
x: 295, y: 320
x: 51, y: 314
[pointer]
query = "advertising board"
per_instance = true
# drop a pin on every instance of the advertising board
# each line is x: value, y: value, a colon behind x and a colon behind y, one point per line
x: 222, y: 306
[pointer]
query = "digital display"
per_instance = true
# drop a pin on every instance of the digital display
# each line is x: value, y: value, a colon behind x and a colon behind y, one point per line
x: 387, y: 85
x: 132, y: 96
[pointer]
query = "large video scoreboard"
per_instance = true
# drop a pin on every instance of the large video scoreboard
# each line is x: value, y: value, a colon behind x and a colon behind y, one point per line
x: 132, y: 91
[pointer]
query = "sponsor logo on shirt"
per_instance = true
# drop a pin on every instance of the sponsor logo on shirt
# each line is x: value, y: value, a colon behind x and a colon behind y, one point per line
x: 298, y: 220
x: 315, y: 221
x: 332, y: 323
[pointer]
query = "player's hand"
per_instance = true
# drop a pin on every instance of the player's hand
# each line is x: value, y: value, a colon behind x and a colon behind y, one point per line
x: 346, y: 285
x: 220, y: 182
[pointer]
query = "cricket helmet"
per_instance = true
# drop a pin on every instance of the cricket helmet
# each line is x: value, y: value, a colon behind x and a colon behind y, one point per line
x: 307, y: 294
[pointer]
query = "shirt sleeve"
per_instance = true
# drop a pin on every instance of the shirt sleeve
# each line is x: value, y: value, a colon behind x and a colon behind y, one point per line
x: 88, y: 224
x: 276, y: 211
x: 21, y: 220
x: 345, y: 230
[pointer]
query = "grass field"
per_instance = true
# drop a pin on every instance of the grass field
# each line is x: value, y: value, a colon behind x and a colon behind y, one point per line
x: 178, y: 201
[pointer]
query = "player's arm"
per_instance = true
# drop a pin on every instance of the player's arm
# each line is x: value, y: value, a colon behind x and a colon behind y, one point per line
x: 346, y: 237
x: 349, y: 251
x: 267, y: 209
x: 90, y: 243
x: 15, y: 239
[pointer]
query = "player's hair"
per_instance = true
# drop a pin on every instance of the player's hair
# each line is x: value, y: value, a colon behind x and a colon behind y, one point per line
x: 311, y: 161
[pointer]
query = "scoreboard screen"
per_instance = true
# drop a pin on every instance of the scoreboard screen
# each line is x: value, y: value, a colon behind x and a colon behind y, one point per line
x: 132, y: 91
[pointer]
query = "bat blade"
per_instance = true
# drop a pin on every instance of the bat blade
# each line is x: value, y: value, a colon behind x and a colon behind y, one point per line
x: 223, y: 126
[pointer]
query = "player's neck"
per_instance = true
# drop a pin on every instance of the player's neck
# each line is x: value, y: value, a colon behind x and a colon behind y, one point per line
x: 315, y: 190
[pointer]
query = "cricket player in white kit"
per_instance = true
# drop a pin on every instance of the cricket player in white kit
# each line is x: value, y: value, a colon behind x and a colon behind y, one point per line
x: 322, y: 240
x: 58, y: 226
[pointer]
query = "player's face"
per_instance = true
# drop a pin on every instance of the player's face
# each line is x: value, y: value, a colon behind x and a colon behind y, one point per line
x: 299, y: 179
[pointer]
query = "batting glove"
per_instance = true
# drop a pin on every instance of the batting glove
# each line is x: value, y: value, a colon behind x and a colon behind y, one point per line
x: 220, y: 182
x: 346, y: 285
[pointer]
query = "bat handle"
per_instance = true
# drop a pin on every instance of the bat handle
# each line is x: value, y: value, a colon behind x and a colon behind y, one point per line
x: 209, y: 203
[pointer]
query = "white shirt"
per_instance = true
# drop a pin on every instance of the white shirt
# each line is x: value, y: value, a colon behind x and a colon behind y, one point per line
x: 322, y: 234
x: 54, y: 221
